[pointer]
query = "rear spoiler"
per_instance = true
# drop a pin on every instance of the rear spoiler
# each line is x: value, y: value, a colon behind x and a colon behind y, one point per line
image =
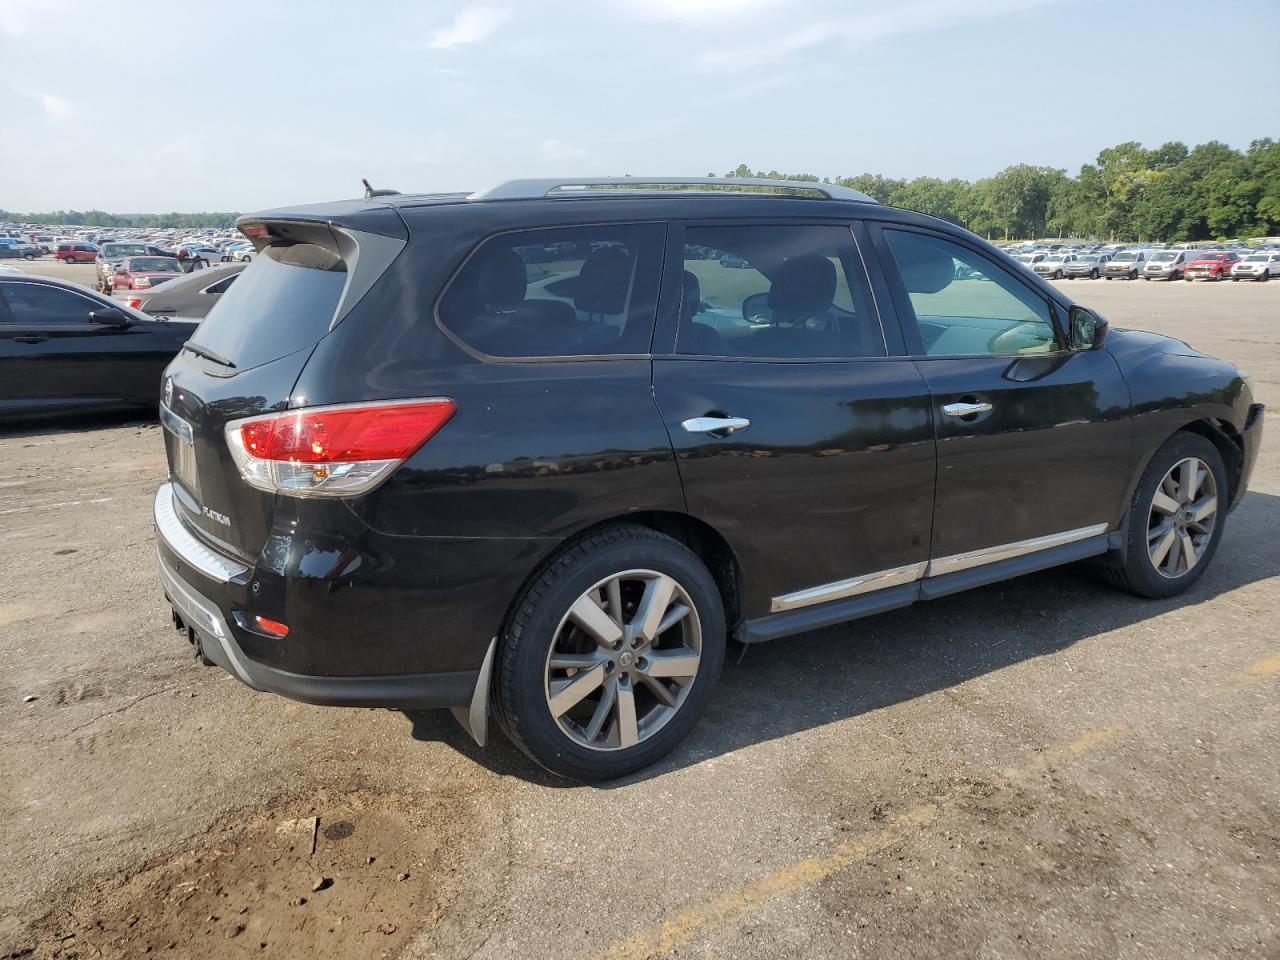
x: 365, y: 254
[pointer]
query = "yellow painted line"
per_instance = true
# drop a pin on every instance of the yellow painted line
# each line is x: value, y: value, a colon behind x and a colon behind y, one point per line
x: 738, y: 903
x: 1265, y: 668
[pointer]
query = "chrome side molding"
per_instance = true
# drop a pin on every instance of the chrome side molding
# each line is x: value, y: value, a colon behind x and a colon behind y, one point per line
x: 1007, y: 551
x: 897, y: 576
x: 849, y: 588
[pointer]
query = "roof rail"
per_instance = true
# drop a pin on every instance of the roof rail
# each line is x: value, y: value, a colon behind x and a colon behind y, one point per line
x: 579, y: 186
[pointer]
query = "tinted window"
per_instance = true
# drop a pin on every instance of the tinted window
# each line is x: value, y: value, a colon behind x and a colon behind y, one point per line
x: 284, y: 301
x: 966, y: 305
x: 35, y: 304
x: 572, y: 291
x: 778, y: 291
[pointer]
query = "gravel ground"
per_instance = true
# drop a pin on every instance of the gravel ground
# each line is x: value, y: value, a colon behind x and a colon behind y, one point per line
x: 1042, y: 768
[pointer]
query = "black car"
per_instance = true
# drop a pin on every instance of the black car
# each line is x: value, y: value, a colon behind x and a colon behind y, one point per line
x: 543, y: 450
x: 190, y: 296
x: 65, y: 349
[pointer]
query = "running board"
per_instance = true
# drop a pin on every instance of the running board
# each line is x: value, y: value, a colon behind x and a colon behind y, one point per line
x: 803, y: 619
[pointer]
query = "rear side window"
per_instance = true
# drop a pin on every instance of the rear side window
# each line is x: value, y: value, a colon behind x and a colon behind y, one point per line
x: 775, y: 291
x: 283, y: 301
x: 562, y: 292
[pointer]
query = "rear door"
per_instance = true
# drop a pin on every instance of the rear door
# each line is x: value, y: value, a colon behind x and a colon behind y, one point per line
x: 1033, y: 439
x: 60, y: 358
x: 802, y: 433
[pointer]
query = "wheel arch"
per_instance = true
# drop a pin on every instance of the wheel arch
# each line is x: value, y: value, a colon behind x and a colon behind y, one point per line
x: 706, y: 543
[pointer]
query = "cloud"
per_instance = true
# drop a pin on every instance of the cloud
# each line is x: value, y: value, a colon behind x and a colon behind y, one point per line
x: 872, y: 23
x: 717, y: 10
x: 56, y: 108
x: 473, y: 24
x: 553, y: 149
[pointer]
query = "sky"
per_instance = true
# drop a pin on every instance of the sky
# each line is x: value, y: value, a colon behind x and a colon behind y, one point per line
x: 245, y: 104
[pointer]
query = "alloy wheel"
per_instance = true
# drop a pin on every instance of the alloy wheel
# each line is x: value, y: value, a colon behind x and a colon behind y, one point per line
x: 623, y: 660
x: 1183, y: 514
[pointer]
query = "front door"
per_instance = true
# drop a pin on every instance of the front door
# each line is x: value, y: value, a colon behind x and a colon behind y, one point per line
x: 1033, y: 438
x: 60, y: 358
x: 799, y: 434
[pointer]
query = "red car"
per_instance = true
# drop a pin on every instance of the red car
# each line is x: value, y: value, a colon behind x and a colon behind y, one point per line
x: 76, y: 252
x: 1212, y: 265
x: 143, y: 273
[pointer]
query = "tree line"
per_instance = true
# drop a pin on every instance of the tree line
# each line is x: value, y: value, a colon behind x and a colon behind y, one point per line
x: 100, y: 218
x: 1171, y: 193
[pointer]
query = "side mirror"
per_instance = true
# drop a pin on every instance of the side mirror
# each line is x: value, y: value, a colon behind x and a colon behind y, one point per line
x: 1087, y: 329
x: 109, y: 316
x: 756, y: 309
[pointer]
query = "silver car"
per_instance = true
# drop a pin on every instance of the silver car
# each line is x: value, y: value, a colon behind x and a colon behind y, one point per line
x: 1055, y: 265
x: 1167, y: 265
x: 1257, y: 266
x: 1088, y: 265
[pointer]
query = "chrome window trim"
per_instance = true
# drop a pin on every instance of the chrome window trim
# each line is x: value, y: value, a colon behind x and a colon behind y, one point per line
x: 171, y: 530
x: 897, y: 576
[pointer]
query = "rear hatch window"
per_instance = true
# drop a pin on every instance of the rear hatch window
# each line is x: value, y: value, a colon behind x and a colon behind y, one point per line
x: 284, y: 300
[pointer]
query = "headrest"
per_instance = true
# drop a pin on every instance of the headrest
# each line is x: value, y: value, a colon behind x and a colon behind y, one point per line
x: 500, y: 278
x: 604, y: 281
x: 690, y: 295
x: 924, y: 268
x: 803, y: 286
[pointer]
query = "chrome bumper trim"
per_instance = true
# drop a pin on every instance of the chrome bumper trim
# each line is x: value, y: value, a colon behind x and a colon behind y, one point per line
x: 181, y: 541
x: 204, y: 616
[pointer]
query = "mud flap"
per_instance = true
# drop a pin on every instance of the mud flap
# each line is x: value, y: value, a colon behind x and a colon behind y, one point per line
x: 475, y: 718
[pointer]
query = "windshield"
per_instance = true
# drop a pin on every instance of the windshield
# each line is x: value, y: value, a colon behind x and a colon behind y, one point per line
x: 1056, y: 258
x: 1164, y: 257
x: 1258, y: 258
x: 122, y: 249
x: 154, y: 265
x: 1126, y: 255
x: 1210, y: 256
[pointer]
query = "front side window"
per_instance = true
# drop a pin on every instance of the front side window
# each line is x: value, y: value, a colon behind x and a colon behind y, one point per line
x: 560, y: 292
x: 34, y: 304
x: 776, y: 291
x: 966, y: 305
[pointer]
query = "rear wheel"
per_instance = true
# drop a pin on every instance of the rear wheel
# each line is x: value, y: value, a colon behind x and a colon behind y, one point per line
x: 1093, y: 274
x: 1175, y: 519
x: 611, y: 654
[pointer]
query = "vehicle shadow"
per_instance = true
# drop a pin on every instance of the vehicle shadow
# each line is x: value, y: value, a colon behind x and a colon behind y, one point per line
x: 20, y: 427
x: 841, y: 672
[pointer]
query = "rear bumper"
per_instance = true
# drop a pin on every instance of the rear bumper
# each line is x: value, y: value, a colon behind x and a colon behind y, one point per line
x: 201, y: 585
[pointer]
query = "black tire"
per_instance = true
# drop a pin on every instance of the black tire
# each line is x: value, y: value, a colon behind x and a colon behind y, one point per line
x: 1093, y: 274
x: 1137, y: 574
x: 519, y: 686
x: 28, y: 256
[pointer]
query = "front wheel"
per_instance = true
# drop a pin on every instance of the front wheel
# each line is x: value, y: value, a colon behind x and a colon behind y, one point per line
x: 1093, y: 274
x: 611, y: 654
x: 1175, y: 519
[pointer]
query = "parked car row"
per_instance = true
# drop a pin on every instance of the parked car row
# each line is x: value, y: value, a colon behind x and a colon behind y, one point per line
x: 1147, y: 264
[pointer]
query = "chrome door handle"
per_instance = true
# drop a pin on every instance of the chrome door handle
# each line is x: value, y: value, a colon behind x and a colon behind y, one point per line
x: 722, y: 425
x: 966, y: 409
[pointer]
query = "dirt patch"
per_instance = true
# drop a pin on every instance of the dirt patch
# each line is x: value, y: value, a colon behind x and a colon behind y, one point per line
x: 352, y: 875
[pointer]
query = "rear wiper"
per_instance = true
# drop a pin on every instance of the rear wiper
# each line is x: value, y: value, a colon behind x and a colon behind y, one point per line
x: 208, y: 354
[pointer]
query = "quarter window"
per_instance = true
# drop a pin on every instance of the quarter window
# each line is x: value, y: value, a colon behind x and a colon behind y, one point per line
x: 570, y: 291
x: 966, y: 305
x: 775, y: 291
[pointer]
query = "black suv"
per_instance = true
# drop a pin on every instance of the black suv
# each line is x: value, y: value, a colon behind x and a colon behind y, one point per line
x: 544, y: 449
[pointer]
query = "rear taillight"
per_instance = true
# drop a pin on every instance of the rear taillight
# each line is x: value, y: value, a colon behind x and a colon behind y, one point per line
x: 135, y: 302
x: 337, y: 451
